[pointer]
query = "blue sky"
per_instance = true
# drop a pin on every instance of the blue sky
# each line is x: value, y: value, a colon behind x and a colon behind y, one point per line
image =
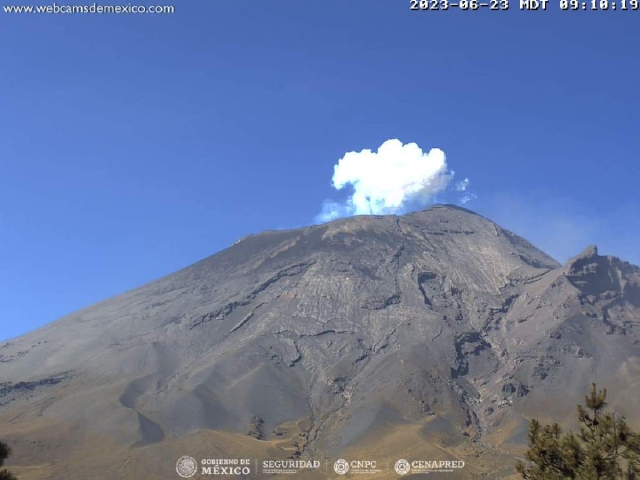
x: 132, y: 146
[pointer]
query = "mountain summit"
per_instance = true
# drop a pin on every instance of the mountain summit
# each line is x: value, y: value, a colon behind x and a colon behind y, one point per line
x: 435, y: 334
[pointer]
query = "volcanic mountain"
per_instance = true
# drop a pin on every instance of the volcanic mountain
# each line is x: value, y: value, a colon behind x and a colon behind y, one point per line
x: 434, y: 335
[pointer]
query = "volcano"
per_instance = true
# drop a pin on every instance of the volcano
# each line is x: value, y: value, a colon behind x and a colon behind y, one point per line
x: 434, y: 335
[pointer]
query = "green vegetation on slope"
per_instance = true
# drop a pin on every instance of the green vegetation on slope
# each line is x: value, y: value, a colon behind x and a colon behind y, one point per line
x: 605, y: 448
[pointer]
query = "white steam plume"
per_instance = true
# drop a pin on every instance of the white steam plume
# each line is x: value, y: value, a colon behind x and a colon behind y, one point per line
x: 389, y: 181
x: 463, y: 185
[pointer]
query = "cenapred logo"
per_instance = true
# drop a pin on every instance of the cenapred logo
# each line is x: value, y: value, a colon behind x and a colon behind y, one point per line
x: 341, y: 466
x: 402, y: 467
x: 187, y: 466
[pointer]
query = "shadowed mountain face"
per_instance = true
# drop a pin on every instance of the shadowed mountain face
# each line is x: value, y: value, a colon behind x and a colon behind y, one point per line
x: 435, y: 334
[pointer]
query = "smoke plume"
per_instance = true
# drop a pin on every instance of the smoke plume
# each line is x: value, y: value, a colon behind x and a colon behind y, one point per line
x: 389, y: 181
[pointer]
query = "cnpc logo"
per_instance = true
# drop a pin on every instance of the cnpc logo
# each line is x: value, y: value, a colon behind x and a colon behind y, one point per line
x: 342, y: 466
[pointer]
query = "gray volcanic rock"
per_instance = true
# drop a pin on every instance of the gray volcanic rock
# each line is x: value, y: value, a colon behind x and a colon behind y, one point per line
x: 438, y: 325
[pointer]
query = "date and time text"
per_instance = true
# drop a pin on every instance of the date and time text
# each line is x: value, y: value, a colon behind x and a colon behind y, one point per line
x: 609, y: 5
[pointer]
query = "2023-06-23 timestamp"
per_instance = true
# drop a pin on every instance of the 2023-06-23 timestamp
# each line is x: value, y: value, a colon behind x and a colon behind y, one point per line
x: 461, y: 4
x: 503, y: 5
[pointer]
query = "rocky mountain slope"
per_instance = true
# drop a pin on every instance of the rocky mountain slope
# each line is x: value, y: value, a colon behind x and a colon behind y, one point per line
x: 435, y: 334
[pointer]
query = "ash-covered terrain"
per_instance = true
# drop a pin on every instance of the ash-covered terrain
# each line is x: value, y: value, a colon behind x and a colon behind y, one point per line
x: 432, y: 335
